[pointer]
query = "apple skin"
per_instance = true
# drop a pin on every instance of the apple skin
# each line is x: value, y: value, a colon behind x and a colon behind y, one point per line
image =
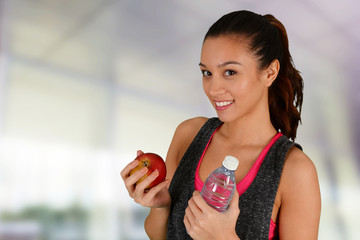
x: 153, y: 162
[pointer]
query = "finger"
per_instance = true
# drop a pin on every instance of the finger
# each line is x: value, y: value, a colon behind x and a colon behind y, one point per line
x: 154, y: 190
x: 136, y: 176
x: 189, y: 220
x: 186, y: 223
x: 126, y: 171
x: 141, y: 187
x: 234, y: 204
x: 148, y: 198
x: 201, y: 205
x: 139, y: 152
x: 148, y: 179
x: 235, y: 200
x: 193, y: 204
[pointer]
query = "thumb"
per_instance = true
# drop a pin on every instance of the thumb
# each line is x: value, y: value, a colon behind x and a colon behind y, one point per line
x: 234, y: 203
x: 139, y: 152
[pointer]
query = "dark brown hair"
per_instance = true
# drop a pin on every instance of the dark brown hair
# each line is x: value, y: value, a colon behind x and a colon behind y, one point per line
x: 268, y: 41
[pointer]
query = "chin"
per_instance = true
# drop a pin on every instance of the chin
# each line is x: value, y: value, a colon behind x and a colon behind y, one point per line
x: 224, y: 118
x: 227, y: 117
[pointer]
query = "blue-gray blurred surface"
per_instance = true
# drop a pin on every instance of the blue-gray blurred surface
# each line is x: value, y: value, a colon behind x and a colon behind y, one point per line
x: 86, y: 83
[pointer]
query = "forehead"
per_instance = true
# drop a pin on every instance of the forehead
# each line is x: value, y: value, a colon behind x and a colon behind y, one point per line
x: 224, y: 48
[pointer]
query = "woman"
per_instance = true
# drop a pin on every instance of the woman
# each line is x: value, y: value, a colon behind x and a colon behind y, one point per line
x: 250, y: 80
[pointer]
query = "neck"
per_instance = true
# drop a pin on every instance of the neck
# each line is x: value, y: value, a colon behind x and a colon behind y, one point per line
x: 249, y: 130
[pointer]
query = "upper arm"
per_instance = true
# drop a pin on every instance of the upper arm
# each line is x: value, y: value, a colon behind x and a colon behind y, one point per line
x: 300, y: 198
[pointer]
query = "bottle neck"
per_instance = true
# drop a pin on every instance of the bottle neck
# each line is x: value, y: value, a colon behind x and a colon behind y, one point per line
x: 226, y: 169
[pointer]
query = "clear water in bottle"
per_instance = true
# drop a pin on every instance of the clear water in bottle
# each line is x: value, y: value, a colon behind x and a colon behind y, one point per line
x: 220, y: 186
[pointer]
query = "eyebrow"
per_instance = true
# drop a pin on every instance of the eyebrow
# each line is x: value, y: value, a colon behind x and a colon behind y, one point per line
x: 222, y: 64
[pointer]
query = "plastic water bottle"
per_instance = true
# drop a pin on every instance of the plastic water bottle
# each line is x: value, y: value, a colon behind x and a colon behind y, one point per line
x: 220, y: 186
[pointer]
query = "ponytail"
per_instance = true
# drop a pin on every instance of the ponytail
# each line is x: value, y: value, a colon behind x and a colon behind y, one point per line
x: 268, y: 41
x: 286, y: 92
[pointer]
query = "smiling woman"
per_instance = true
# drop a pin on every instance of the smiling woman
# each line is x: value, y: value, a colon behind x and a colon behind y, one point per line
x: 250, y: 81
x: 228, y: 83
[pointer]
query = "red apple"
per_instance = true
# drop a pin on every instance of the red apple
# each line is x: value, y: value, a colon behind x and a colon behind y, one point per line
x: 153, y: 162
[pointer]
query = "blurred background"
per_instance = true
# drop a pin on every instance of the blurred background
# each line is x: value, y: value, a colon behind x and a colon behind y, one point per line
x: 86, y: 83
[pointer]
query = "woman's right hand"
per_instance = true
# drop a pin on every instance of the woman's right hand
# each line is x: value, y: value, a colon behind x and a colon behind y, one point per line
x: 158, y: 196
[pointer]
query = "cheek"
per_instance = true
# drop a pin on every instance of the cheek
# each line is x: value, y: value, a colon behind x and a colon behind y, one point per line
x: 247, y: 89
x: 241, y: 89
x: 206, y: 86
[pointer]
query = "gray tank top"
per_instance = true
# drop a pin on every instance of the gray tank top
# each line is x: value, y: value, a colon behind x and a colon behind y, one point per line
x: 255, y: 204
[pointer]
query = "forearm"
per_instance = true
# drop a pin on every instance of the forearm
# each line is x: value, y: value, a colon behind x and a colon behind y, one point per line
x: 156, y: 223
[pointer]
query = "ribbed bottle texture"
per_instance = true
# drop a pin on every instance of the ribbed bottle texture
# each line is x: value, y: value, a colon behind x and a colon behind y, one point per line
x: 220, y: 186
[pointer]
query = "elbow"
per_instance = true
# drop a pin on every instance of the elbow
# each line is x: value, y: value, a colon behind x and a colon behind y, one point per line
x: 152, y: 232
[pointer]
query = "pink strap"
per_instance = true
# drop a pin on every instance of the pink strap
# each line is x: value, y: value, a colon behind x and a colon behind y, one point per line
x: 244, y: 184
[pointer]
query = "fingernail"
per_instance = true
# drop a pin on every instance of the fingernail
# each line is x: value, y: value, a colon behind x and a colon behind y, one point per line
x: 143, y: 170
x: 156, y: 173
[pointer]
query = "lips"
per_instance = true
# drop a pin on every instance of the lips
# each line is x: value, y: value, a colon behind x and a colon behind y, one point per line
x: 222, y: 105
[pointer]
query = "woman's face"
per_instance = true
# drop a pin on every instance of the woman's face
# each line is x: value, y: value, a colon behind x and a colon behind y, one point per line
x: 231, y: 80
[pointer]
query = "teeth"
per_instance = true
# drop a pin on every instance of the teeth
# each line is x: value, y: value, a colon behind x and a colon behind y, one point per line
x: 221, y: 104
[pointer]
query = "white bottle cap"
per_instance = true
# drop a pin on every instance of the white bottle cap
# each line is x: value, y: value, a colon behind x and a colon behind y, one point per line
x: 231, y: 163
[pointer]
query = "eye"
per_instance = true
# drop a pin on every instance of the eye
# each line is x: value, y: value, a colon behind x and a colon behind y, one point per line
x: 229, y: 73
x: 206, y: 73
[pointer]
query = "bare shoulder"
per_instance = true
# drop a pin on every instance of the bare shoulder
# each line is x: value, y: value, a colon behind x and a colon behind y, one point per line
x: 183, y: 136
x: 300, y: 197
x: 299, y: 167
x: 190, y: 126
x: 186, y: 132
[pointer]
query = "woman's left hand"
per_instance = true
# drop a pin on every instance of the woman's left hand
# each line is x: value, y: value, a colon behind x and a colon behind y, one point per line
x: 204, y: 222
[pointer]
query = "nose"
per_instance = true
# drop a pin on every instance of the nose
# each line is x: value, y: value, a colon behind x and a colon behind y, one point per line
x: 216, y: 86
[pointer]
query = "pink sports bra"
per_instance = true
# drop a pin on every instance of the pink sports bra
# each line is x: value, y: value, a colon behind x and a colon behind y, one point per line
x: 243, y: 185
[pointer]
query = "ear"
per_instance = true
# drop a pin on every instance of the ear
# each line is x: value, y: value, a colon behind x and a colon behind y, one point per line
x: 271, y: 72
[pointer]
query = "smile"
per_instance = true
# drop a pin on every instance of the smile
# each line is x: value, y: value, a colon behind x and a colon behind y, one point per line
x: 223, y: 104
